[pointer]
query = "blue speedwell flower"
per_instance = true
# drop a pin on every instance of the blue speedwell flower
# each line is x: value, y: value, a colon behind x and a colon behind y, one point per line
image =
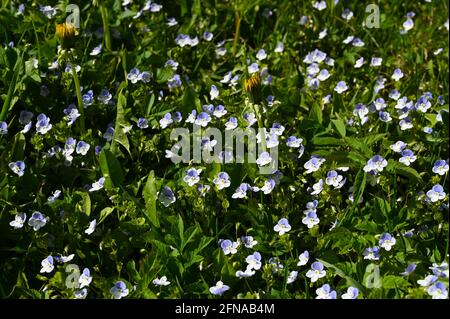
x: 222, y: 180
x: 409, y: 269
x: 397, y: 75
x: 293, y: 141
x: 109, y: 134
x: 229, y: 247
x: 325, y: 292
x: 341, y: 87
x: 427, y: 281
x: 71, y: 114
x: 254, y: 261
x: 440, y: 270
x: 85, y: 278
x: 231, y: 124
x: 311, y: 219
x: 372, y: 253
x: 91, y: 227
x: 219, y: 288
x: 407, y: 157
x: 166, y: 196
x: 203, y: 119
x: 80, y: 294
x: 119, y: 290
x: 214, y: 92
x: 376, y: 164
x: 440, y: 167
x: 282, y: 226
x: 334, y: 179
x: 219, y: 111
x: 43, y: 124
x: 241, y: 191
x: 313, y: 164
x: 398, y: 146
x: 317, y: 188
x: 82, y: 147
x: 264, y: 159
x: 387, y: 241
x: 47, y: 265
x: 54, y: 196
x: 19, y: 220
x: 436, y: 193
x: 352, y: 293
x: 192, y: 176
x: 142, y: 123
x: 166, y: 120
x: 174, y: 82
x: 303, y: 258
x: 316, y: 272
x: 104, y: 96
x: 98, y: 185
x: 37, y: 220
x: 248, y: 241
x: 438, y: 291
x: 292, y: 277
x: 3, y: 128
x: 88, y: 98
x: 17, y: 167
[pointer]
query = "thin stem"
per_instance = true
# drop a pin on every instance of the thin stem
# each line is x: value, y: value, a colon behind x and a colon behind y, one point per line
x: 11, y: 89
x: 79, y: 98
x: 237, y: 30
x: 106, y: 32
x: 260, y: 127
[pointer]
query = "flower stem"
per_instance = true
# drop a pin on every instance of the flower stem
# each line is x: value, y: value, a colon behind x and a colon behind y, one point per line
x: 12, y: 87
x: 237, y: 30
x: 106, y: 32
x: 79, y: 98
x: 260, y: 126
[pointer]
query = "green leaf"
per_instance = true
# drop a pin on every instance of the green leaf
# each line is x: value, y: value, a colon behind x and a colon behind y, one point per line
x: 181, y: 229
x: 149, y: 194
x: 86, y: 204
x: 358, y: 186
x: 119, y: 134
x: 316, y: 114
x: 340, y: 127
x: 105, y: 212
x: 163, y: 75
x: 359, y: 145
x: 393, y: 282
x: 18, y: 147
x: 111, y: 169
x: 401, y: 169
x: 332, y: 141
x: 339, y: 272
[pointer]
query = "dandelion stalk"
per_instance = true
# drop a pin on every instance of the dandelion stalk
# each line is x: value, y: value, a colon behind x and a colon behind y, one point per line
x: 79, y: 98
